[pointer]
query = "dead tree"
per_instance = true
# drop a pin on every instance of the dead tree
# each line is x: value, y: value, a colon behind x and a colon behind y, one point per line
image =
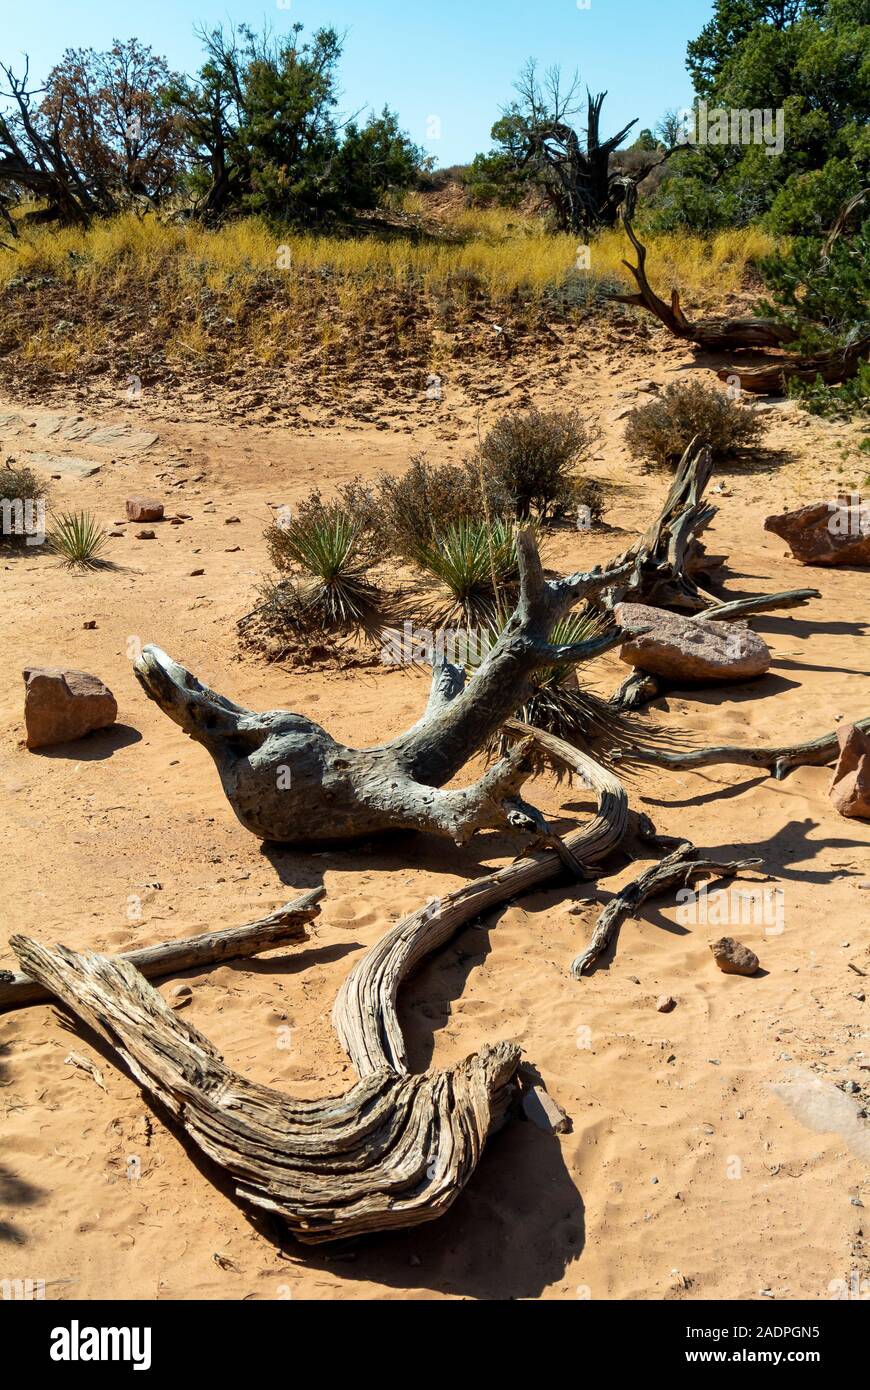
x: 289, y: 781
x: 33, y: 158
x: 713, y: 335
x: 396, y: 1149
x: 772, y: 378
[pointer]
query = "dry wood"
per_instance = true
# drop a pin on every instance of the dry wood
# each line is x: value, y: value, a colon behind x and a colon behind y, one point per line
x: 289, y: 781
x: 714, y: 335
x: 393, y: 1151
x: 365, y: 1010
x: 772, y: 378
x: 680, y: 867
x: 171, y: 957
x: 817, y: 752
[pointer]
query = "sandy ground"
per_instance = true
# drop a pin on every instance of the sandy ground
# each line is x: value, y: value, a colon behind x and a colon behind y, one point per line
x: 685, y: 1175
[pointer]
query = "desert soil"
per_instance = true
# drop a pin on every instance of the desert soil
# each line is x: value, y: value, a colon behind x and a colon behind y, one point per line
x: 686, y: 1174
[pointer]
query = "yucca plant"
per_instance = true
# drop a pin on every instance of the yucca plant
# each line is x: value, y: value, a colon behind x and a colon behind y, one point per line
x: 78, y: 538
x: 324, y: 544
x: 557, y: 703
x: 473, y: 564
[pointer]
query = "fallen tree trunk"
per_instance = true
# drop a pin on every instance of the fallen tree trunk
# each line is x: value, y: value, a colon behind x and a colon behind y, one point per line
x: 772, y: 378
x: 713, y: 335
x: 171, y: 957
x: 680, y: 867
x: 365, y: 1010
x: 396, y: 1149
x: 817, y: 752
x: 288, y: 781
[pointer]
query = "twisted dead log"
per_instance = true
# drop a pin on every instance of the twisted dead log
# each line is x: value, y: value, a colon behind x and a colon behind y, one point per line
x: 364, y: 1015
x: 289, y: 781
x: 713, y: 335
x: 395, y: 1150
x: 682, y: 866
x: 772, y: 378
x: 816, y: 752
x: 171, y: 957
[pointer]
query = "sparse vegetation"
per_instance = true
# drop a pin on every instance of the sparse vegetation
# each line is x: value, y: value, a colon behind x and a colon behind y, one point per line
x: 475, y: 564
x: 533, y: 454
x: 662, y: 430
x: 78, y: 538
x: 327, y: 560
x: 19, y: 488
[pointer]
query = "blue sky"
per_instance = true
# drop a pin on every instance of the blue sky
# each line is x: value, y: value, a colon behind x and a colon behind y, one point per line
x: 454, y: 60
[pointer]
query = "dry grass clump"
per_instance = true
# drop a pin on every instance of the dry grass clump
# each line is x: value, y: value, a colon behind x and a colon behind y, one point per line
x: 662, y: 430
x: 20, y: 492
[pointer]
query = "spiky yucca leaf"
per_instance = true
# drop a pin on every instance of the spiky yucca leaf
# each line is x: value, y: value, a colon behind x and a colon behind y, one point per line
x: 78, y: 538
x: 325, y: 546
x: 472, y: 564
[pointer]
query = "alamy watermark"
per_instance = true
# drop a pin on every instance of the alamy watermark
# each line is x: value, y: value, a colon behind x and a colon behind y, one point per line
x: 734, y: 126
x: 23, y: 516
x: 415, y: 645
x: 733, y: 907
x: 850, y: 516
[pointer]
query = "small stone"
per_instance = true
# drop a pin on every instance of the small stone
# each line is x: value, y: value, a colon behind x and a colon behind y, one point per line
x: 733, y: 958
x: 145, y: 536
x: 741, y: 1115
x: 194, y: 574
x: 666, y: 1003
x: 89, y: 625
x: 144, y: 509
x: 860, y: 997
x: 851, y: 1088
x: 232, y: 521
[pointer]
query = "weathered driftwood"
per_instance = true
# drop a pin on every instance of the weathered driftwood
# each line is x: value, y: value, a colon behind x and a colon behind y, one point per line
x: 683, y: 865
x: 713, y: 335
x: 289, y: 781
x: 396, y: 1149
x: 772, y: 378
x: 816, y: 752
x: 365, y: 1016
x: 280, y: 928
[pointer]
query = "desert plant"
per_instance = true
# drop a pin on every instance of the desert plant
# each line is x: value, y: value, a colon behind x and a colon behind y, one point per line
x: 473, y: 563
x: 531, y: 455
x: 662, y: 430
x: 404, y: 515
x: 78, y: 538
x: 324, y: 544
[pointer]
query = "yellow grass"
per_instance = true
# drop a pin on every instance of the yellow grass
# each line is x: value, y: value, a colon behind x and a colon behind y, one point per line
x: 504, y: 253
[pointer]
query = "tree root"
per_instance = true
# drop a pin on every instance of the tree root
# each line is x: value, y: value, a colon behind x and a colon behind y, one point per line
x: 817, y: 752
x: 679, y: 867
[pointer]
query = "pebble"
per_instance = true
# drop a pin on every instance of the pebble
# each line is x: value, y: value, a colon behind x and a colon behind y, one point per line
x: 145, y: 536
x: 666, y: 1004
x: 194, y: 574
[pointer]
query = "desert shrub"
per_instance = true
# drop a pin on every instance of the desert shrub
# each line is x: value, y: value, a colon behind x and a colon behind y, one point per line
x: 663, y: 429
x: 473, y: 564
x: 327, y: 558
x: 531, y: 454
x: 835, y: 402
x: 18, y: 488
x: 404, y: 515
x: 78, y: 538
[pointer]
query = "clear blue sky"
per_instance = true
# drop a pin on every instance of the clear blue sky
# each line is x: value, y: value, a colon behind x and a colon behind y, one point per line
x: 451, y: 59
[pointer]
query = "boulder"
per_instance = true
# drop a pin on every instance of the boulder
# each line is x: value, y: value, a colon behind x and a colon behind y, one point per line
x: 144, y: 509
x: 62, y: 705
x: 827, y: 533
x: 690, y: 649
x: 850, y: 789
x: 733, y: 958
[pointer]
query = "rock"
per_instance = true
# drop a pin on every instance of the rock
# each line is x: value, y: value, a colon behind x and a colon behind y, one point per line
x: 232, y: 521
x: 194, y: 574
x: 850, y: 789
x: 733, y: 958
x: 690, y: 649
x: 89, y: 625
x: 145, y: 536
x: 826, y: 533
x: 666, y: 1004
x: 61, y: 705
x: 542, y: 1110
x: 144, y: 509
